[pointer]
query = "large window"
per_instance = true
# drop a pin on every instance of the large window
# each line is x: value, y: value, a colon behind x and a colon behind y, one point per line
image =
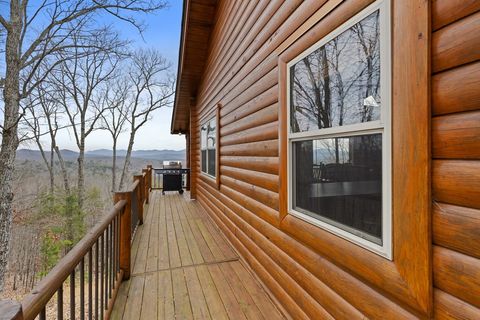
x: 208, y: 143
x: 339, y: 132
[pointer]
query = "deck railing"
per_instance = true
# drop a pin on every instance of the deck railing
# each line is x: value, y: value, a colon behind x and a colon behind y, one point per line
x: 93, y: 270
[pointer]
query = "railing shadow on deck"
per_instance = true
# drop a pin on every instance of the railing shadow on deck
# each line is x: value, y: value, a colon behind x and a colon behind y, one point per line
x: 100, y: 261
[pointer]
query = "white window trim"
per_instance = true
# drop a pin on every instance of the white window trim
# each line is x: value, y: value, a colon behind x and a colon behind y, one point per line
x: 381, y: 126
x: 206, y: 149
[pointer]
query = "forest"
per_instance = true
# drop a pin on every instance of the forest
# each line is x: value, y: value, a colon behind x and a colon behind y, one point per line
x: 66, y: 69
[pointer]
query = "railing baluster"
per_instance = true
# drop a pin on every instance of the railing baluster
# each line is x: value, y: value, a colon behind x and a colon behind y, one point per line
x: 107, y: 265
x: 60, y: 302
x: 72, y: 294
x: 118, y: 243
x: 102, y: 252
x: 90, y: 284
x: 109, y: 274
x: 97, y: 278
x: 82, y: 289
x: 43, y: 314
x: 111, y: 240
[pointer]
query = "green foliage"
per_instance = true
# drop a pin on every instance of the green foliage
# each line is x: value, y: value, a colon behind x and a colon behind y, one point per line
x: 52, y: 247
x: 63, y: 221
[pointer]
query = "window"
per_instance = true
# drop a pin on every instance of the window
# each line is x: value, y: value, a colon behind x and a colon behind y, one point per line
x: 208, y: 143
x: 339, y: 132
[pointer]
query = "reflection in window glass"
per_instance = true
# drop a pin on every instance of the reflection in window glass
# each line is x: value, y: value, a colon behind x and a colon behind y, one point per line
x: 339, y: 181
x: 208, y: 136
x: 339, y: 83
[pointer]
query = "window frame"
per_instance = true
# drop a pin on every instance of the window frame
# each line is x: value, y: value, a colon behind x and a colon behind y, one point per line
x: 407, y: 277
x: 382, y: 126
x: 214, y: 114
x: 206, y: 122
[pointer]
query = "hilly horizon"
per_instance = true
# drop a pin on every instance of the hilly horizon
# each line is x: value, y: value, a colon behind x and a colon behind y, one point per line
x: 70, y: 155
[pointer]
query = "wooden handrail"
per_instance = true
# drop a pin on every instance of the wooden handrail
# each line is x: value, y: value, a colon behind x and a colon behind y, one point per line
x: 34, y: 302
x: 10, y: 310
x: 113, y: 233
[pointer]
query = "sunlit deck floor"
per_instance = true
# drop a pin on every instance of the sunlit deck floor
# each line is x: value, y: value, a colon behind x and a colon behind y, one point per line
x: 183, y: 268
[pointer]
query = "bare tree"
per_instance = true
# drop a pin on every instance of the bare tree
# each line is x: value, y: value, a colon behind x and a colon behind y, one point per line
x: 32, y: 35
x: 43, y: 115
x: 79, y: 80
x: 152, y: 89
x: 114, y: 100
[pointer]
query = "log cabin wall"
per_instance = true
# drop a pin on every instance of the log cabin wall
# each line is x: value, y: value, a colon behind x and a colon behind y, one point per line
x: 456, y: 158
x: 310, y: 279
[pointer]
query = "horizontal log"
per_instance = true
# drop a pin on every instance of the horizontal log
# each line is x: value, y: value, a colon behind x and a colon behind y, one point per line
x: 365, y: 265
x: 249, y: 190
x: 251, y: 41
x: 456, y: 136
x: 242, y: 40
x: 456, y: 44
x: 208, y: 180
x: 457, y: 274
x: 457, y: 182
x: 264, y: 132
x: 258, y: 50
x: 263, y: 116
x: 266, y: 213
x: 457, y: 228
x: 260, y: 164
x: 330, y: 300
x: 258, y: 103
x: 448, y: 307
x: 265, y: 58
x: 227, y: 32
x: 280, y: 293
x: 266, y: 76
x: 254, y: 149
x: 445, y: 12
x: 456, y: 90
x: 375, y: 304
x: 263, y: 180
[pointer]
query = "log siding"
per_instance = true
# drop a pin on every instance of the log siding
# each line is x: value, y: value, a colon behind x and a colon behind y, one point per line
x: 311, y: 272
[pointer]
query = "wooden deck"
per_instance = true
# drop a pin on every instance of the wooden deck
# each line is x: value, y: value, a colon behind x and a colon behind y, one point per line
x: 183, y: 268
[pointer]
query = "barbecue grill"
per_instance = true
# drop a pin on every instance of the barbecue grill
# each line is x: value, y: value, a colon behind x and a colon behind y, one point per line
x: 172, y: 173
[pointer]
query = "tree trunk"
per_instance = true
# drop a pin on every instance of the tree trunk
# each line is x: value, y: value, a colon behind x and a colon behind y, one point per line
x: 10, y: 142
x: 66, y: 182
x: 81, y: 176
x: 127, y: 160
x: 52, y: 171
x: 114, y: 165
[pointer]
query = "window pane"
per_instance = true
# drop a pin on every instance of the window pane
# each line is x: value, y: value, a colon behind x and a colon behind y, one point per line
x: 204, y: 160
x: 203, y: 137
x: 211, y: 134
x: 339, y: 181
x: 339, y: 83
x: 211, y: 162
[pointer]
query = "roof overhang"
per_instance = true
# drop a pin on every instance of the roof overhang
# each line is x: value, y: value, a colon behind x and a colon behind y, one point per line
x: 197, y: 23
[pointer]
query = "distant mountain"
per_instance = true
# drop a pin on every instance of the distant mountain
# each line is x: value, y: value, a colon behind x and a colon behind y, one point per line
x: 69, y: 155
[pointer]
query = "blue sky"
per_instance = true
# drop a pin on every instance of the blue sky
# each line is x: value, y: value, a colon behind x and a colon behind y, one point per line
x: 162, y: 33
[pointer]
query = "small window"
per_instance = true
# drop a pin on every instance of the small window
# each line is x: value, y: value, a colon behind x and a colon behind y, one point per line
x: 208, y: 143
x: 339, y: 132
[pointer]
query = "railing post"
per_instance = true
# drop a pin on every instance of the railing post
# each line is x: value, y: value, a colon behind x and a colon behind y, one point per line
x: 145, y: 186
x: 125, y: 233
x: 139, y: 190
x: 10, y: 310
x: 149, y: 180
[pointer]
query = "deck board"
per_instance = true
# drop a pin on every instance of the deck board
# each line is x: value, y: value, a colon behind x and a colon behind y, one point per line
x: 183, y: 268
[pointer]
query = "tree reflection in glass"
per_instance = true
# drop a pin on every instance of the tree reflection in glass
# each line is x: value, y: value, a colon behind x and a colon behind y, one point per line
x: 339, y: 83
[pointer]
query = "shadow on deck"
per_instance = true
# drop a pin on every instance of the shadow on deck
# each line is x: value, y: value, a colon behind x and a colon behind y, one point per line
x: 183, y: 268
